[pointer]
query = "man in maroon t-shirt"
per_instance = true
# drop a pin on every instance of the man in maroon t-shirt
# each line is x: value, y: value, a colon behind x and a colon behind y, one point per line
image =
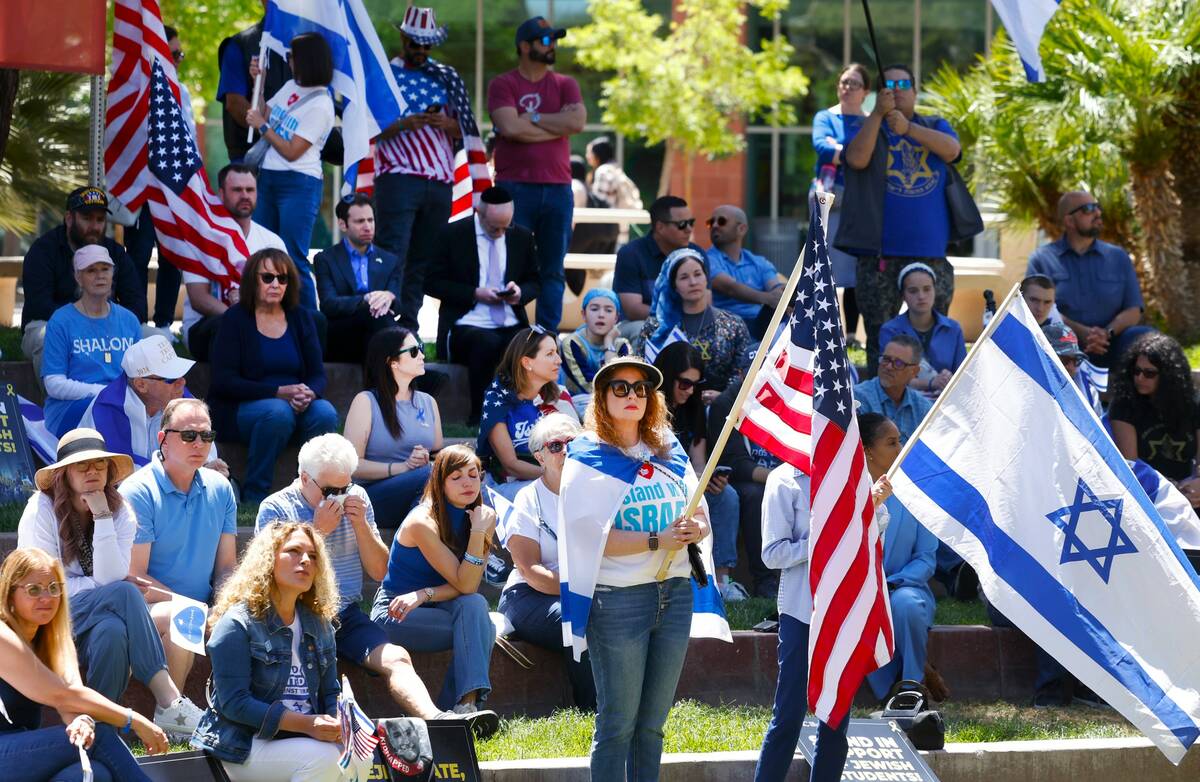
x: 534, y: 110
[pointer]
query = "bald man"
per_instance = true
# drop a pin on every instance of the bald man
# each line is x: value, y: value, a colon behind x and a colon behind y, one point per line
x: 1096, y: 288
x: 743, y: 283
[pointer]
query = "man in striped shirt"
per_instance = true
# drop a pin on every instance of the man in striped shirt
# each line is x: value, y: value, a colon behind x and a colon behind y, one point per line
x: 414, y: 161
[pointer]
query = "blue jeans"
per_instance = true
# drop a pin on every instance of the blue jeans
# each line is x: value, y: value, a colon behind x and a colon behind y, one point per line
x: 546, y: 210
x: 410, y: 212
x: 288, y: 202
x: 912, y: 616
x: 537, y: 619
x: 638, y: 637
x: 723, y: 511
x: 392, y: 498
x: 266, y: 426
x: 114, y: 633
x: 47, y: 755
x: 787, y: 717
x: 461, y: 624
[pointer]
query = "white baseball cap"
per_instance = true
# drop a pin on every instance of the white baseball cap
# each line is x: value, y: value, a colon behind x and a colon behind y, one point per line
x: 91, y: 254
x: 154, y: 356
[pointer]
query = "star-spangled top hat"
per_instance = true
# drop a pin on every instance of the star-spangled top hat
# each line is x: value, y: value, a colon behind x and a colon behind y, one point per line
x: 421, y: 26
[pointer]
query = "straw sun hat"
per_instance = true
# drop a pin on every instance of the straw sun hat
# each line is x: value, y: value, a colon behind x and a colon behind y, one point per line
x: 83, y: 445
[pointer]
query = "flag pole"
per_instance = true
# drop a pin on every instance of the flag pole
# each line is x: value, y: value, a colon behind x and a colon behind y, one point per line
x: 258, y: 85
x: 825, y: 201
x: 874, y: 43
x: 987, y: 332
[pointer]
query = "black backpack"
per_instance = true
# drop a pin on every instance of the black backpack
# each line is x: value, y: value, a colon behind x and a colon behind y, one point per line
x: 924, y: 728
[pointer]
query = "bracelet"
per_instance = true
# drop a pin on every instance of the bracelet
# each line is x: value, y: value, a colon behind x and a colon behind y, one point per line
x: 470, y: 559
x: 128, y: 721
x: 389, y: 469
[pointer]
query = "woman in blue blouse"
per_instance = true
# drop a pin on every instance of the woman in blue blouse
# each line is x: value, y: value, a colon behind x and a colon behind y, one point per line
x: 267, y: 370
x: 942, y: 344
x: 832, y: 130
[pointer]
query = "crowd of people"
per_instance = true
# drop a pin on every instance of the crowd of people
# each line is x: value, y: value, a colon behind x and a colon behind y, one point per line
x: 138, y: 506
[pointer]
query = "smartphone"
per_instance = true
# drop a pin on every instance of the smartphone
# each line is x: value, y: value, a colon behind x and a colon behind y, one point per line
x: 723, y: 470
x: 433, y: 108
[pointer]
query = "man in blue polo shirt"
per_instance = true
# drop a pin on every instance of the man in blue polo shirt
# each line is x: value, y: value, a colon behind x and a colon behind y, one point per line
x: 1096, y: 287
x: 888, y: 393
x: 638, y: 263
x: 743, y: 283
x: 186, y: 541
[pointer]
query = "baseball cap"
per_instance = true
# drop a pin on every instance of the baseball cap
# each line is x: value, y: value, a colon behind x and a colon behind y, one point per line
x: 82, y: 198
x: 91, y: 254
x: 154, y: 357
x: 536, y: 27
x: 1062, y: 339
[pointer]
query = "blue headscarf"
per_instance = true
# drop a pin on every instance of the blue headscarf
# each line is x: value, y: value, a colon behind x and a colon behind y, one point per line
x: 603, y: 293
x: 668, y: 306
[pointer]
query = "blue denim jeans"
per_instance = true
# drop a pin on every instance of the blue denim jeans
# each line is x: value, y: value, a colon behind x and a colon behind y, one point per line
x: 410, y: 212
x: 537, y: 619
x: 392, y: 498
x: 912, y: 617
x: 791, y: 704
x: 461, y: 625
x: 638, y: 637
x: 114, y: 633
x: 47, y: 755
x: 546, y: 210
x: 723, y: 511
x: 266, y: 426
x: 288, y: 202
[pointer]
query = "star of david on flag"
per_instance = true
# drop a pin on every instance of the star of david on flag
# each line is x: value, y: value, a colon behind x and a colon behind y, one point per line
x: 1068, y: 517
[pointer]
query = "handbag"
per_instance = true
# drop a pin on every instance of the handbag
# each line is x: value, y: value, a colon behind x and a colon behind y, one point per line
x: 965, y: 220
x: 924, y: 728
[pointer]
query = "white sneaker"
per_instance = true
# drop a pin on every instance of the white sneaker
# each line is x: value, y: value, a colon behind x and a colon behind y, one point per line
x: 733, y: 592
x: 179, y: 719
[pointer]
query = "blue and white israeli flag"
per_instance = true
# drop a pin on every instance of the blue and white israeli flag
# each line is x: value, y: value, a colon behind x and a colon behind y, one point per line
x: 596, y: 477
x: 676, y: 334
x: 361, y: 73
x: 1014, y: 471
x: 1025, y: 21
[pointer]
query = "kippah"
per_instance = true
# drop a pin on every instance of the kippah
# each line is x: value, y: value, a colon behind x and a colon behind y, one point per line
x: 496, y: 195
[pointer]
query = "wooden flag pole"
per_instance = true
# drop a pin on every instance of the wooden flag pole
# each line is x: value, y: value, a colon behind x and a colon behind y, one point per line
x: 825, y: 200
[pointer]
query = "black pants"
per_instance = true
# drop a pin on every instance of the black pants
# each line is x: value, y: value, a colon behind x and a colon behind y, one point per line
x: 140, y: 239
x: 348, y: 337
x: 480, y: 351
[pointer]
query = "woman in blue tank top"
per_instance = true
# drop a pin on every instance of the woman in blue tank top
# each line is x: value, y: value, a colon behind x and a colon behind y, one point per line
x: 429, y: 600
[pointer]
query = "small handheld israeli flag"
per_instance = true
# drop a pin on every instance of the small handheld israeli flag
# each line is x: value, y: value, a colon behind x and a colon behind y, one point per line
x: 188, y: 618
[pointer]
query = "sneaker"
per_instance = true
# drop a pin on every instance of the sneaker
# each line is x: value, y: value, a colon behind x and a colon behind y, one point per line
x: 483, y: 723
x: 733, y: 592
x: 497, y: 570
x: 179, y: 719
x: 1085, y: 696
x: 1049, y: 697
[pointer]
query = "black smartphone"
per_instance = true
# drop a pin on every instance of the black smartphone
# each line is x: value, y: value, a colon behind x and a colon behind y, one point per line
x: 433, y: 108
x: 723, y: 470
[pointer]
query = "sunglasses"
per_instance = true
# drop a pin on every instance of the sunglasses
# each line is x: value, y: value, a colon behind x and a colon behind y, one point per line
x: 720, y: 221
x: 898, y: 84
x: 546, y: 40
x: 683, y: 225
x: 685, y: 384
x: 333, y: 491
x: 1149, y: 374
x: 168, y: 380
x: 1087, y: 208
x: 621, y: 388
x: 412, y: 350
x: 895, y: 363
x: 178, y: 56
x: 557, y: 446
x: 851, y: 84
x: 411, y: 44
x: 269, y: 278
x: 53, y: 589
x: 190, y: 435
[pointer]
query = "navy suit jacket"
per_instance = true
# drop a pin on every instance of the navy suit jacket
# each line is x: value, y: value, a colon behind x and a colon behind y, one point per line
x: 337, y: 285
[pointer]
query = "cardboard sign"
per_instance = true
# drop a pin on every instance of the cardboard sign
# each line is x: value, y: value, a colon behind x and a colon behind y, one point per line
x: 454, y: 758
x: 192, y: 766
x: 16, y: 465
x: 878, y: 752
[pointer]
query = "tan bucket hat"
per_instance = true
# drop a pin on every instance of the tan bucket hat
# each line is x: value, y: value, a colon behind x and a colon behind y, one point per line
x: 83, y: 445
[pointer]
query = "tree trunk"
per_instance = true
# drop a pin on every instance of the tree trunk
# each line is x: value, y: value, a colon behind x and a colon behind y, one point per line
x: 1185, y: 166
x: 10, y: 82
x: 689, y: 167
x: 664, y: 176
x: 1168, y: 284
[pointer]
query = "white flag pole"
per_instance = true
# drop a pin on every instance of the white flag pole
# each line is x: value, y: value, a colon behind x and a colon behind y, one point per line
x: 258, y: 85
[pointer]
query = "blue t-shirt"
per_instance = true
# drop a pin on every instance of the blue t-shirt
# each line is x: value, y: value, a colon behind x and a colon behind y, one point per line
x: 85, y: 349
x: 281, y: 360
x: 753, y: 271
x: 916, y: 223
x: 183, y: 529
x: 946, y: 348
x: 234, y: 73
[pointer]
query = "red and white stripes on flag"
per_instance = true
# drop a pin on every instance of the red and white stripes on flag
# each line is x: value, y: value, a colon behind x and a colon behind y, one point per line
x: 471, y: 177
x: 144, y: 139
x: 802, y: 410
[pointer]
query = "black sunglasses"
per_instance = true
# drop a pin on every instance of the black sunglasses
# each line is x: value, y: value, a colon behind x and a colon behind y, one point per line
x: 413, y: 350
x: 190, y: 435
x: 168, y: 380
x: 1149, y: 374
x: 621, y: 388
x: 557, y: 446
x: 269, y: 278
x: 685, y: 384
x: 1087, y: 208
x: 333, y: 491
x: 720, y: 221
x: 682, y: 225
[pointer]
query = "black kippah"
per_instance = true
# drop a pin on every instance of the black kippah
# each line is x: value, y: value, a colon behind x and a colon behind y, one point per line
x: 496, y: 195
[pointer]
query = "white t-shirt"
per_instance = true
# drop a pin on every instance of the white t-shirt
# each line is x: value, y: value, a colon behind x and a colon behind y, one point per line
x: 295, y: 692
x: 653, y: 503
x: 525, y: 522
x: 312, y: 122
x: 259, y: 239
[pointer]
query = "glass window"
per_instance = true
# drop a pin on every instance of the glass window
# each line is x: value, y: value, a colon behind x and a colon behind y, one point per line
x: 797, y: 160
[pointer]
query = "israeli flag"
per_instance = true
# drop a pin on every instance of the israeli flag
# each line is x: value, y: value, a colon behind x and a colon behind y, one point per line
x: 1014, y: 471
x: 361, y: 73
x: 675, y: 335
x: 1176, y: 512
x: 596, y: 477
x: 1025, y: 20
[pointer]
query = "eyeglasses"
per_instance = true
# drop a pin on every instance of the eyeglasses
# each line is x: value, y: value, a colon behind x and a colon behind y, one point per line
x: 536, y: 333
x: 685, y: 384
x: 720, y: 221
x: 557, y: 446
x: 269, y: 278
x: 412, y: 350
x: 1087, y: 208
x: 35, y: 591
x: 1149, y: 374
x: 178, y: 56
x: 682, y: 225
x: 898, y: 84
x: 190, y: 435
x: 621, y: 388
x: 851, y: 84
x: 895, y: 363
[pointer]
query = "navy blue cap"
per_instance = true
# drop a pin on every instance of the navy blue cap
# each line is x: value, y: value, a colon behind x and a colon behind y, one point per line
x: 532, y: 29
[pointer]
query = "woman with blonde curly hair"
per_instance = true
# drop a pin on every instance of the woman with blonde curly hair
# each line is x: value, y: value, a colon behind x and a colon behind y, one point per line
x: 274, y: 663
x: 639, y: 621
x: 37, y: 657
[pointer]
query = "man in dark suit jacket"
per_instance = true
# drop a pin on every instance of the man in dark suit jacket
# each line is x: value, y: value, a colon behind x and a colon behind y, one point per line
x: 487, y: 274
x: 358, y: 284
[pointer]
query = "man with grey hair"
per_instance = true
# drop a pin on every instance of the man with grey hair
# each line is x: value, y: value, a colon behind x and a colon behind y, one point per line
x: 888, y: 393
x: 324, y: 495
x: 743, y: 283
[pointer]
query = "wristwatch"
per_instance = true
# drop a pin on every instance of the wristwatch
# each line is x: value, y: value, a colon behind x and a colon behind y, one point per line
x: 653, y: 542
x: 535, y: 117
x: 428, y: 594
x: 263, y: 128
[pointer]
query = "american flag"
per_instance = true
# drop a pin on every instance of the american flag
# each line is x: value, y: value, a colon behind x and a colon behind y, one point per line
x: 426, y: 151
x: 358, y: 737
x: 151, y: 156
x: 802, y: 410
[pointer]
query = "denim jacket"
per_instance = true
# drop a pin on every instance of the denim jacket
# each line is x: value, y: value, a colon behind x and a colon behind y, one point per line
x: 251, y: 660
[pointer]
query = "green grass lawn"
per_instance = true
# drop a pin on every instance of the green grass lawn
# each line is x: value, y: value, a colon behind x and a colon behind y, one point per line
x: 10, y: 344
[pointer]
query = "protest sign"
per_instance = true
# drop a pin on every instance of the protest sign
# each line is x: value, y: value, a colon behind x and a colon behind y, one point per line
x: 878, y: 752
x: 16, y: 466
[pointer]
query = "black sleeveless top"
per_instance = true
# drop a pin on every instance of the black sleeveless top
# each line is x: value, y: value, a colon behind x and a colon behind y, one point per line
x: 23, y: 713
